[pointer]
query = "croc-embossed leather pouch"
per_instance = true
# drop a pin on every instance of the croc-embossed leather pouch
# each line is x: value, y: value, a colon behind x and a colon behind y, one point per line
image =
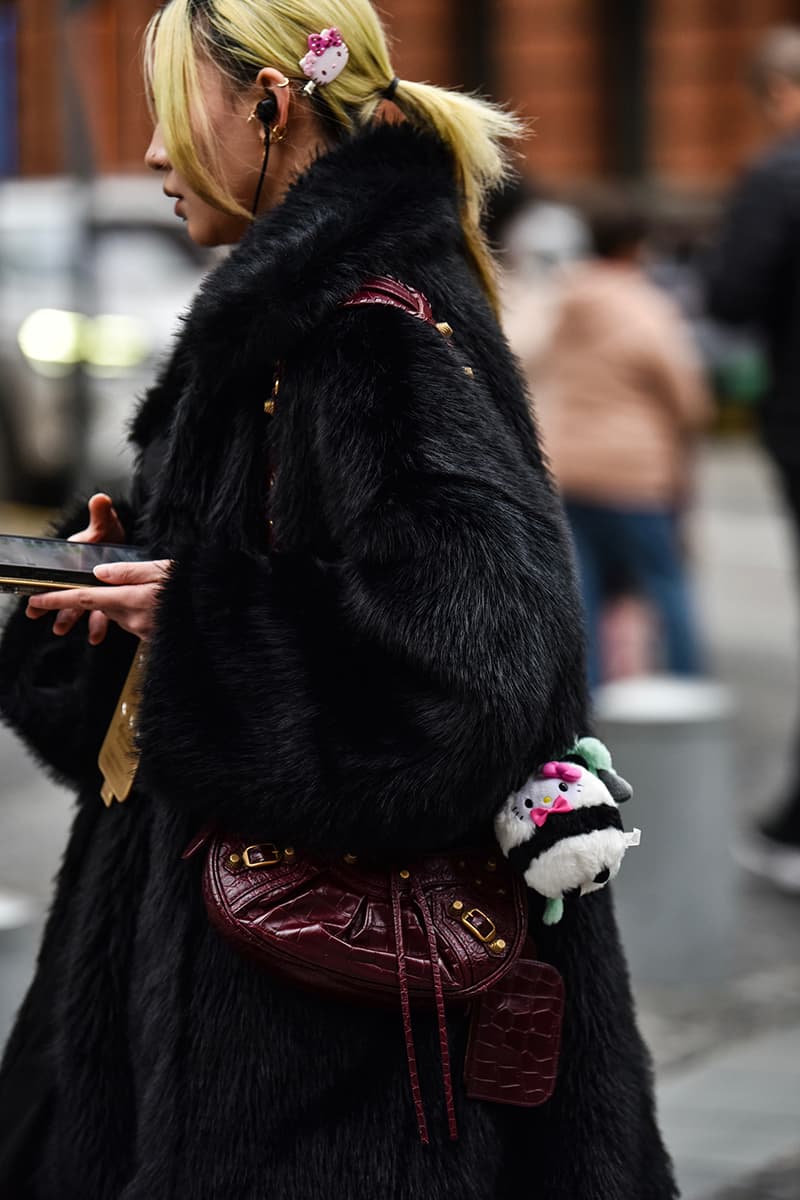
x: 515, y: 1037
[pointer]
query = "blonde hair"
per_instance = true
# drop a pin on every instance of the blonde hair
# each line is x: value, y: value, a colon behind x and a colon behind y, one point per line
x: 242, y: 36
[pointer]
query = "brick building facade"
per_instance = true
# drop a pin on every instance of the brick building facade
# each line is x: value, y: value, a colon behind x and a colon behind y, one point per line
x: 635, y: 87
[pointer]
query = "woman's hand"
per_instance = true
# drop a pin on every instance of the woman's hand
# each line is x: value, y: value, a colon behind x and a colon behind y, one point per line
x: 130, y: 601
x: 104, y: 526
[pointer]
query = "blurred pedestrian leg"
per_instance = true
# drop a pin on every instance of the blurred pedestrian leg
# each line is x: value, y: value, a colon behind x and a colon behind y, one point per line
x: 643, y: 548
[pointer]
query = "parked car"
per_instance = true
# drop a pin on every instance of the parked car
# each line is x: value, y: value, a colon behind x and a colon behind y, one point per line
x: 92, y: 281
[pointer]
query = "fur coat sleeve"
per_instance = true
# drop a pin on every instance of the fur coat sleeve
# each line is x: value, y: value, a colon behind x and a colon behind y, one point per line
x: 58, y: 693
x: 387, y: 683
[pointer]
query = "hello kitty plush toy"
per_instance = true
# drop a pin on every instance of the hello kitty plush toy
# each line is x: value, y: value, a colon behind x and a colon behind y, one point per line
x: 563, y: 829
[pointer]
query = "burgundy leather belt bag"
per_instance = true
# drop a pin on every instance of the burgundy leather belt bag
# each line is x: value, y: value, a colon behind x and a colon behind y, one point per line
x: 447, y: 929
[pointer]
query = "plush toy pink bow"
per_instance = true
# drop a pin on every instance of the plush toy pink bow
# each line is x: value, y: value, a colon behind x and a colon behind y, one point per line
x: 560, y: 770
x: 319, y: 42
x: 540, y: 815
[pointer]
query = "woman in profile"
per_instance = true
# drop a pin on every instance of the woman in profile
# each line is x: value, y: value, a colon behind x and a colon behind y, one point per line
x: 362, y: 633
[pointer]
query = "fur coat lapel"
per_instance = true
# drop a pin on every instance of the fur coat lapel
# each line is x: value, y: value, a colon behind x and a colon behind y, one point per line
x: 384, y: 194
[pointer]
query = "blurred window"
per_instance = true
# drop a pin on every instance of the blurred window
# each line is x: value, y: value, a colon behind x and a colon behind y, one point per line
x: 34, y: 253
x: 143, y: 257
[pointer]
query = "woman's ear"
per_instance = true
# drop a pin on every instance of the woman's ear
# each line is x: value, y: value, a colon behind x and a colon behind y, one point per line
x: 270, y: 79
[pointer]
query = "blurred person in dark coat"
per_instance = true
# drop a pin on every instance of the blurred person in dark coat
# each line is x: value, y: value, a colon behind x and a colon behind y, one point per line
x: 621, y: 398
x: 754, y: 278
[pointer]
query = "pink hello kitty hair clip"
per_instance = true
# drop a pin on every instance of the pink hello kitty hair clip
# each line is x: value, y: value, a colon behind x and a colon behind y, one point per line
x: 326, y: 59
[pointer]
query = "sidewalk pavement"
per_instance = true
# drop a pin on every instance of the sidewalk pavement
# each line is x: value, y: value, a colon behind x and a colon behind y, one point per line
x: 776, y: 1183
x: 733, y: 1116
x: 728, y: 1055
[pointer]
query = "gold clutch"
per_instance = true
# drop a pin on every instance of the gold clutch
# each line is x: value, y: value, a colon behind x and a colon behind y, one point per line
x: 118, y: 759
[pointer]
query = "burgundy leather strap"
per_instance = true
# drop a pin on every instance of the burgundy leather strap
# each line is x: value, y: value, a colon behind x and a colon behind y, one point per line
x: 405, y: 1004
x: 436, y: 970
x: 382, y: 289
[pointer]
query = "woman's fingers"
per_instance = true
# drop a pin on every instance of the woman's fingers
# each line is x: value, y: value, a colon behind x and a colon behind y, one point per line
x: 98, y: 627
x: 104, y: 523
x: 34, y: 613
x: 73, y: 600
x: 65, y: 621
x: 131, y: 606
x: 104, y: 520
x: 121, y: 573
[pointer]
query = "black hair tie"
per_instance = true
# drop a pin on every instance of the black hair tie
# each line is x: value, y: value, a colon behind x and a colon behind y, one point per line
x: 389, y: 91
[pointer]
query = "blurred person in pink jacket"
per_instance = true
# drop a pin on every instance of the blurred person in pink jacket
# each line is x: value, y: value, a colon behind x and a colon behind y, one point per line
x: 621, y: 399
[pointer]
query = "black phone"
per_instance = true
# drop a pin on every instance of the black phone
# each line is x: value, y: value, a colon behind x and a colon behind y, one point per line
x: 32, y: 564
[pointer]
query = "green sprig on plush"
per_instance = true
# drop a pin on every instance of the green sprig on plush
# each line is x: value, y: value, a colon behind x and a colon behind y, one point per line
x: 594, y: 753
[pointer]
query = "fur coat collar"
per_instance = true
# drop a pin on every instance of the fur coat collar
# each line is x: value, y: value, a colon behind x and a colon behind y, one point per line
x: 385, y: 194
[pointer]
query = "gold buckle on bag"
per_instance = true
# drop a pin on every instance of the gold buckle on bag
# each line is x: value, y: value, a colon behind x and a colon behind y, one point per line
x: 263, y: 854
x: 467, y: 920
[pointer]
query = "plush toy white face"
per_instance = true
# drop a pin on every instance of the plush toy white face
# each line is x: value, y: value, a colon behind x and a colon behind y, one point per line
x: 564, y: 789
x: 558, y: 788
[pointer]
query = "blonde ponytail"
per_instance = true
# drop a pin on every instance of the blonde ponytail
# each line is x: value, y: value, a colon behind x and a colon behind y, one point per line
x: 241, y: 36
x: 475, y: 131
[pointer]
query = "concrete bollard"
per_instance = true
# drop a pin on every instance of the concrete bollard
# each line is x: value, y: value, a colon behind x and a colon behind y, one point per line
x: 671, y: 738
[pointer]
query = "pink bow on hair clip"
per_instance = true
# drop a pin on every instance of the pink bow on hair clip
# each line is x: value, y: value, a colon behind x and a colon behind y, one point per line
x: 319, y: 42
x: 326, y: 59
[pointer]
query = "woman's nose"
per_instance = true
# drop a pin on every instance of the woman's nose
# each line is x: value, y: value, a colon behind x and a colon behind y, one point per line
x: 156, y: 155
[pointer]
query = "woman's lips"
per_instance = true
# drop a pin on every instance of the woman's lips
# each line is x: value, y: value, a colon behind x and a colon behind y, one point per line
x: 178, y: 210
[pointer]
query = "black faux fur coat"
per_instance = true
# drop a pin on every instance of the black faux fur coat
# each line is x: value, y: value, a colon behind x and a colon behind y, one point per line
x: 381, y: 678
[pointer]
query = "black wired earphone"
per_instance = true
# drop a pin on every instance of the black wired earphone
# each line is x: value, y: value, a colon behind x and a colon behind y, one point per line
x: 266, y: 111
